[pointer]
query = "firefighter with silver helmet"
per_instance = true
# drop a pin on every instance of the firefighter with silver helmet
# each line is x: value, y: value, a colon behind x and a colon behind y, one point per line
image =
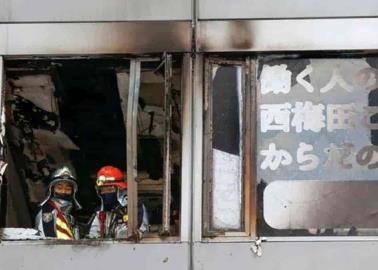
x: 54, y: 218
x: 110, y: 221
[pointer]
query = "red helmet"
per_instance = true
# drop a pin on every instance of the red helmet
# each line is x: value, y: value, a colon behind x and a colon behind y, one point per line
x: 109, y: 176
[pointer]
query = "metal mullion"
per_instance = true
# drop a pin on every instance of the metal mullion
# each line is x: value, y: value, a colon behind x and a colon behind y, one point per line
x: 198, y: 150
x: 132, y: 140
x: 186, y: 147
x: 167, y: 144
x: 207, y: 147
x: 245, y: 144
x: 252, y: 113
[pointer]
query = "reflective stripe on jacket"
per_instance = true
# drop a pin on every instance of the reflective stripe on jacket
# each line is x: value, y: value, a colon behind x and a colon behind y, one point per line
x: 51, y: 222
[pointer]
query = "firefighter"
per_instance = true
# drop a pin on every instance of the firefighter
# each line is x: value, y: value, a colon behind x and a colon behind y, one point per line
x: 54, y: 218
x: 111, y: 219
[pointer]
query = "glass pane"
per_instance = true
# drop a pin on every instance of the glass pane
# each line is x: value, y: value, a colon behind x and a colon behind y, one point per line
x: 317, y: 123
x: 227, y: 151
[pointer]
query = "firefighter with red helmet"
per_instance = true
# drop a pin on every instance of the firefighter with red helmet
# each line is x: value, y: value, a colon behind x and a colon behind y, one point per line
x: 110, y: 221
x: 54, y: 218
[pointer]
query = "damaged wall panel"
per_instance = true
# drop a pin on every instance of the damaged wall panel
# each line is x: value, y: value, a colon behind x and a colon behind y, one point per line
x: 36, y: 142
x: 288, y: 34
x: 39, y: 89
x: 94, y: 38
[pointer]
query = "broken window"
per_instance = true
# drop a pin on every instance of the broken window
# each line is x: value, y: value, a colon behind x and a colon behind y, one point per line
x: 77, y: 112
x: 225, y: 210
x: 317, y: 146
x: 157, y: 141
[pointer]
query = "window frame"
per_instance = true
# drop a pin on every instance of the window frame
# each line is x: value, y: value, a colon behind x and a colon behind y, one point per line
x: 131, y: 119
x: 248, y: 211
x: 319, y: 55
x: 134, y: 83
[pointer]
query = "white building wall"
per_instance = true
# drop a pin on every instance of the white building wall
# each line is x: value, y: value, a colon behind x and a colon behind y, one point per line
x: 92, y: 256
x: 93, y: 10
x: 253, y: 9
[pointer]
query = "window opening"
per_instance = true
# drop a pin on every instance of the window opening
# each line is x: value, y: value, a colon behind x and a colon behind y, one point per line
x: 72, y: 112
x: 224, y: 201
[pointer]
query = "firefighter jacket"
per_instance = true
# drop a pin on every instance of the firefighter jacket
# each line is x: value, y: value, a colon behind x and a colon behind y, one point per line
x: 113, y: 224
x: 54, y: 220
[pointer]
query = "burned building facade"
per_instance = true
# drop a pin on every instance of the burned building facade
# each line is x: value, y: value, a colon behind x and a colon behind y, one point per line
x: 248, y: 130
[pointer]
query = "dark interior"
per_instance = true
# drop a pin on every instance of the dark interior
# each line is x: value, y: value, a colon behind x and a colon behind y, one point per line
x: 89, y: 114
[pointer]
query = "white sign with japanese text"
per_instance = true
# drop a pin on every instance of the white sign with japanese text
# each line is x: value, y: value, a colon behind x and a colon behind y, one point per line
x: 317, y: 119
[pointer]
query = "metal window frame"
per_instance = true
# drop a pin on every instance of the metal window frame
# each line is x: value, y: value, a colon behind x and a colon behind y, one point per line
x: 186, y: 212
x: 166, y: 219
x: 130, y: 111
x: 2, y: 131
x: 197, y: 148
x: 132, y: 142
x: 342, y: 55
x: 248, y: 212
x: 131, y: 146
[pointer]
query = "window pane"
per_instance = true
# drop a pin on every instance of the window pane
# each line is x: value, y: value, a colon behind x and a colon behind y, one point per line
x: 317, y: 134
x: 227, y: 150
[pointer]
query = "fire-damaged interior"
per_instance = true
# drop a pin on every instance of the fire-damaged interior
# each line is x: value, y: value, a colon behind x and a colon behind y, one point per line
x: 69, y: 112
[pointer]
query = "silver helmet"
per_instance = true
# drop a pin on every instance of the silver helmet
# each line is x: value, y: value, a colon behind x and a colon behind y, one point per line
x: 63, y: 174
